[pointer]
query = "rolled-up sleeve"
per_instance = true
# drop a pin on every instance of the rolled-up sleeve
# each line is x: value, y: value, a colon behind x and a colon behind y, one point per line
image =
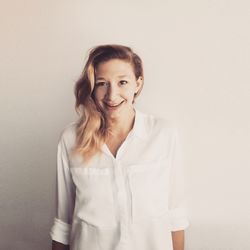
x: 65, y: 194
x: 177, y: 192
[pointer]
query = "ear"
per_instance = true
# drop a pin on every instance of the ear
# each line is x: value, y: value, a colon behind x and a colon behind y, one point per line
x: 139, y: 83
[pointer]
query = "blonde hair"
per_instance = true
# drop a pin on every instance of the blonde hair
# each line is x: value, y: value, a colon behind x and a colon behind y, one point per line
x: 92, y: 128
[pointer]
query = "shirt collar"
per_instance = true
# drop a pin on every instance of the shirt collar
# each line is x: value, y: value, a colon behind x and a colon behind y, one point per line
x: 139, y: 128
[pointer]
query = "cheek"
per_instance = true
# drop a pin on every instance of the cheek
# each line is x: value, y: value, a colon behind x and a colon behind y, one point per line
x: 98, y: 94
x: 130, y: 94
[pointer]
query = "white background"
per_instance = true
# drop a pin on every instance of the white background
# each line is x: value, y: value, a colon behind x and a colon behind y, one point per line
x: 197, y: 71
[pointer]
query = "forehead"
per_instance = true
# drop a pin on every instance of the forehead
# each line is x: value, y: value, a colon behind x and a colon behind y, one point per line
x: 114, y: 67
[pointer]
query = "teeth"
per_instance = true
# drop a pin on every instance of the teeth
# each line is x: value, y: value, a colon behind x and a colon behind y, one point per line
x: 114, y: 105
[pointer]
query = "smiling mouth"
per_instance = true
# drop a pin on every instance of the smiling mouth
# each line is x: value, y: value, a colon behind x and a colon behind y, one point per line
x: 113, y: 106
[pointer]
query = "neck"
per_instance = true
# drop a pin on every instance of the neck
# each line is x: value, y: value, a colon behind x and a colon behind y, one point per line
x: 121, y: 126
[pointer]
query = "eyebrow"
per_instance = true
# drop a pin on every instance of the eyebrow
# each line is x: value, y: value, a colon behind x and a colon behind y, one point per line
x: 123, y: 76
x: 102, y: 78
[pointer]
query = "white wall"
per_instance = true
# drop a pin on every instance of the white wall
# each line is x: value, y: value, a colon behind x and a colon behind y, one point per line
x: 196, y: 55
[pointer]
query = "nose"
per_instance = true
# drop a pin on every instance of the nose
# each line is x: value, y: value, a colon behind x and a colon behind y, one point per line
x: 111, y: 93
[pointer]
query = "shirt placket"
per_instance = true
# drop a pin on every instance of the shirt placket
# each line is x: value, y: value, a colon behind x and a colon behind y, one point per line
x: 122, y: 204
x: 122, y: 193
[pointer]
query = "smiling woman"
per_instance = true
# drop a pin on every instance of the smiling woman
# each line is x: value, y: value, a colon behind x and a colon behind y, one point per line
x: 114, y: 94
x: 112, y: 76
x: 119, y: 174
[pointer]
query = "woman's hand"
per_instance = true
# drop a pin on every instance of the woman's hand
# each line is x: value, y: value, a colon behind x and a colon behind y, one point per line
x: 178, y: 240
x: 59, y: 246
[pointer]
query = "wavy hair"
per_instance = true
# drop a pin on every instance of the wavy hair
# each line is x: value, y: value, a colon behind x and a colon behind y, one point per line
x: 92, y: 127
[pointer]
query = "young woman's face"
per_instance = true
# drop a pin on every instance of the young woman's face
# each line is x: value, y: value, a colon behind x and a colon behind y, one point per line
x: 115, y: 87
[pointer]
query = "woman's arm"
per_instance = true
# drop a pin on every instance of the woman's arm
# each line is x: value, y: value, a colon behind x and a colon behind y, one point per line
x: 178, y: 240
x: 177, y: 195
x: 59, y: 246
x: 65, y: 197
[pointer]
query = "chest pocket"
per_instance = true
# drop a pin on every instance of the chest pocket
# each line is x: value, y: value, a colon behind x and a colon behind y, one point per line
x: 94, y: 192
x: 148, y: 185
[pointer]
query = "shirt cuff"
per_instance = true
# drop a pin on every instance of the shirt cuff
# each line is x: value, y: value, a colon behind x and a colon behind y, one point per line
x: 178, y: 219
x: 60, y: 231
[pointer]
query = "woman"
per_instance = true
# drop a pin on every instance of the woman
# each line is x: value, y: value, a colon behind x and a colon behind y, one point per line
x: 119, y: 178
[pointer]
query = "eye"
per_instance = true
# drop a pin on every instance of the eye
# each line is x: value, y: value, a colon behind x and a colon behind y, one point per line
x: 123, y: 82
x: 99, y: 84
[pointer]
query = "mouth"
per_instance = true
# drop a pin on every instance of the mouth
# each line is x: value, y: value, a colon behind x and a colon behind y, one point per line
x: 113, y: 106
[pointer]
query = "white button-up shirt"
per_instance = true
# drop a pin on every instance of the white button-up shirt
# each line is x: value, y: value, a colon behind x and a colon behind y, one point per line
x: 129, y: 202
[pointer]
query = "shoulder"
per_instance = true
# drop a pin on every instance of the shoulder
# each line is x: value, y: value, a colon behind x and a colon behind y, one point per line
x: 68, y: 134
x: 156, y: 124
